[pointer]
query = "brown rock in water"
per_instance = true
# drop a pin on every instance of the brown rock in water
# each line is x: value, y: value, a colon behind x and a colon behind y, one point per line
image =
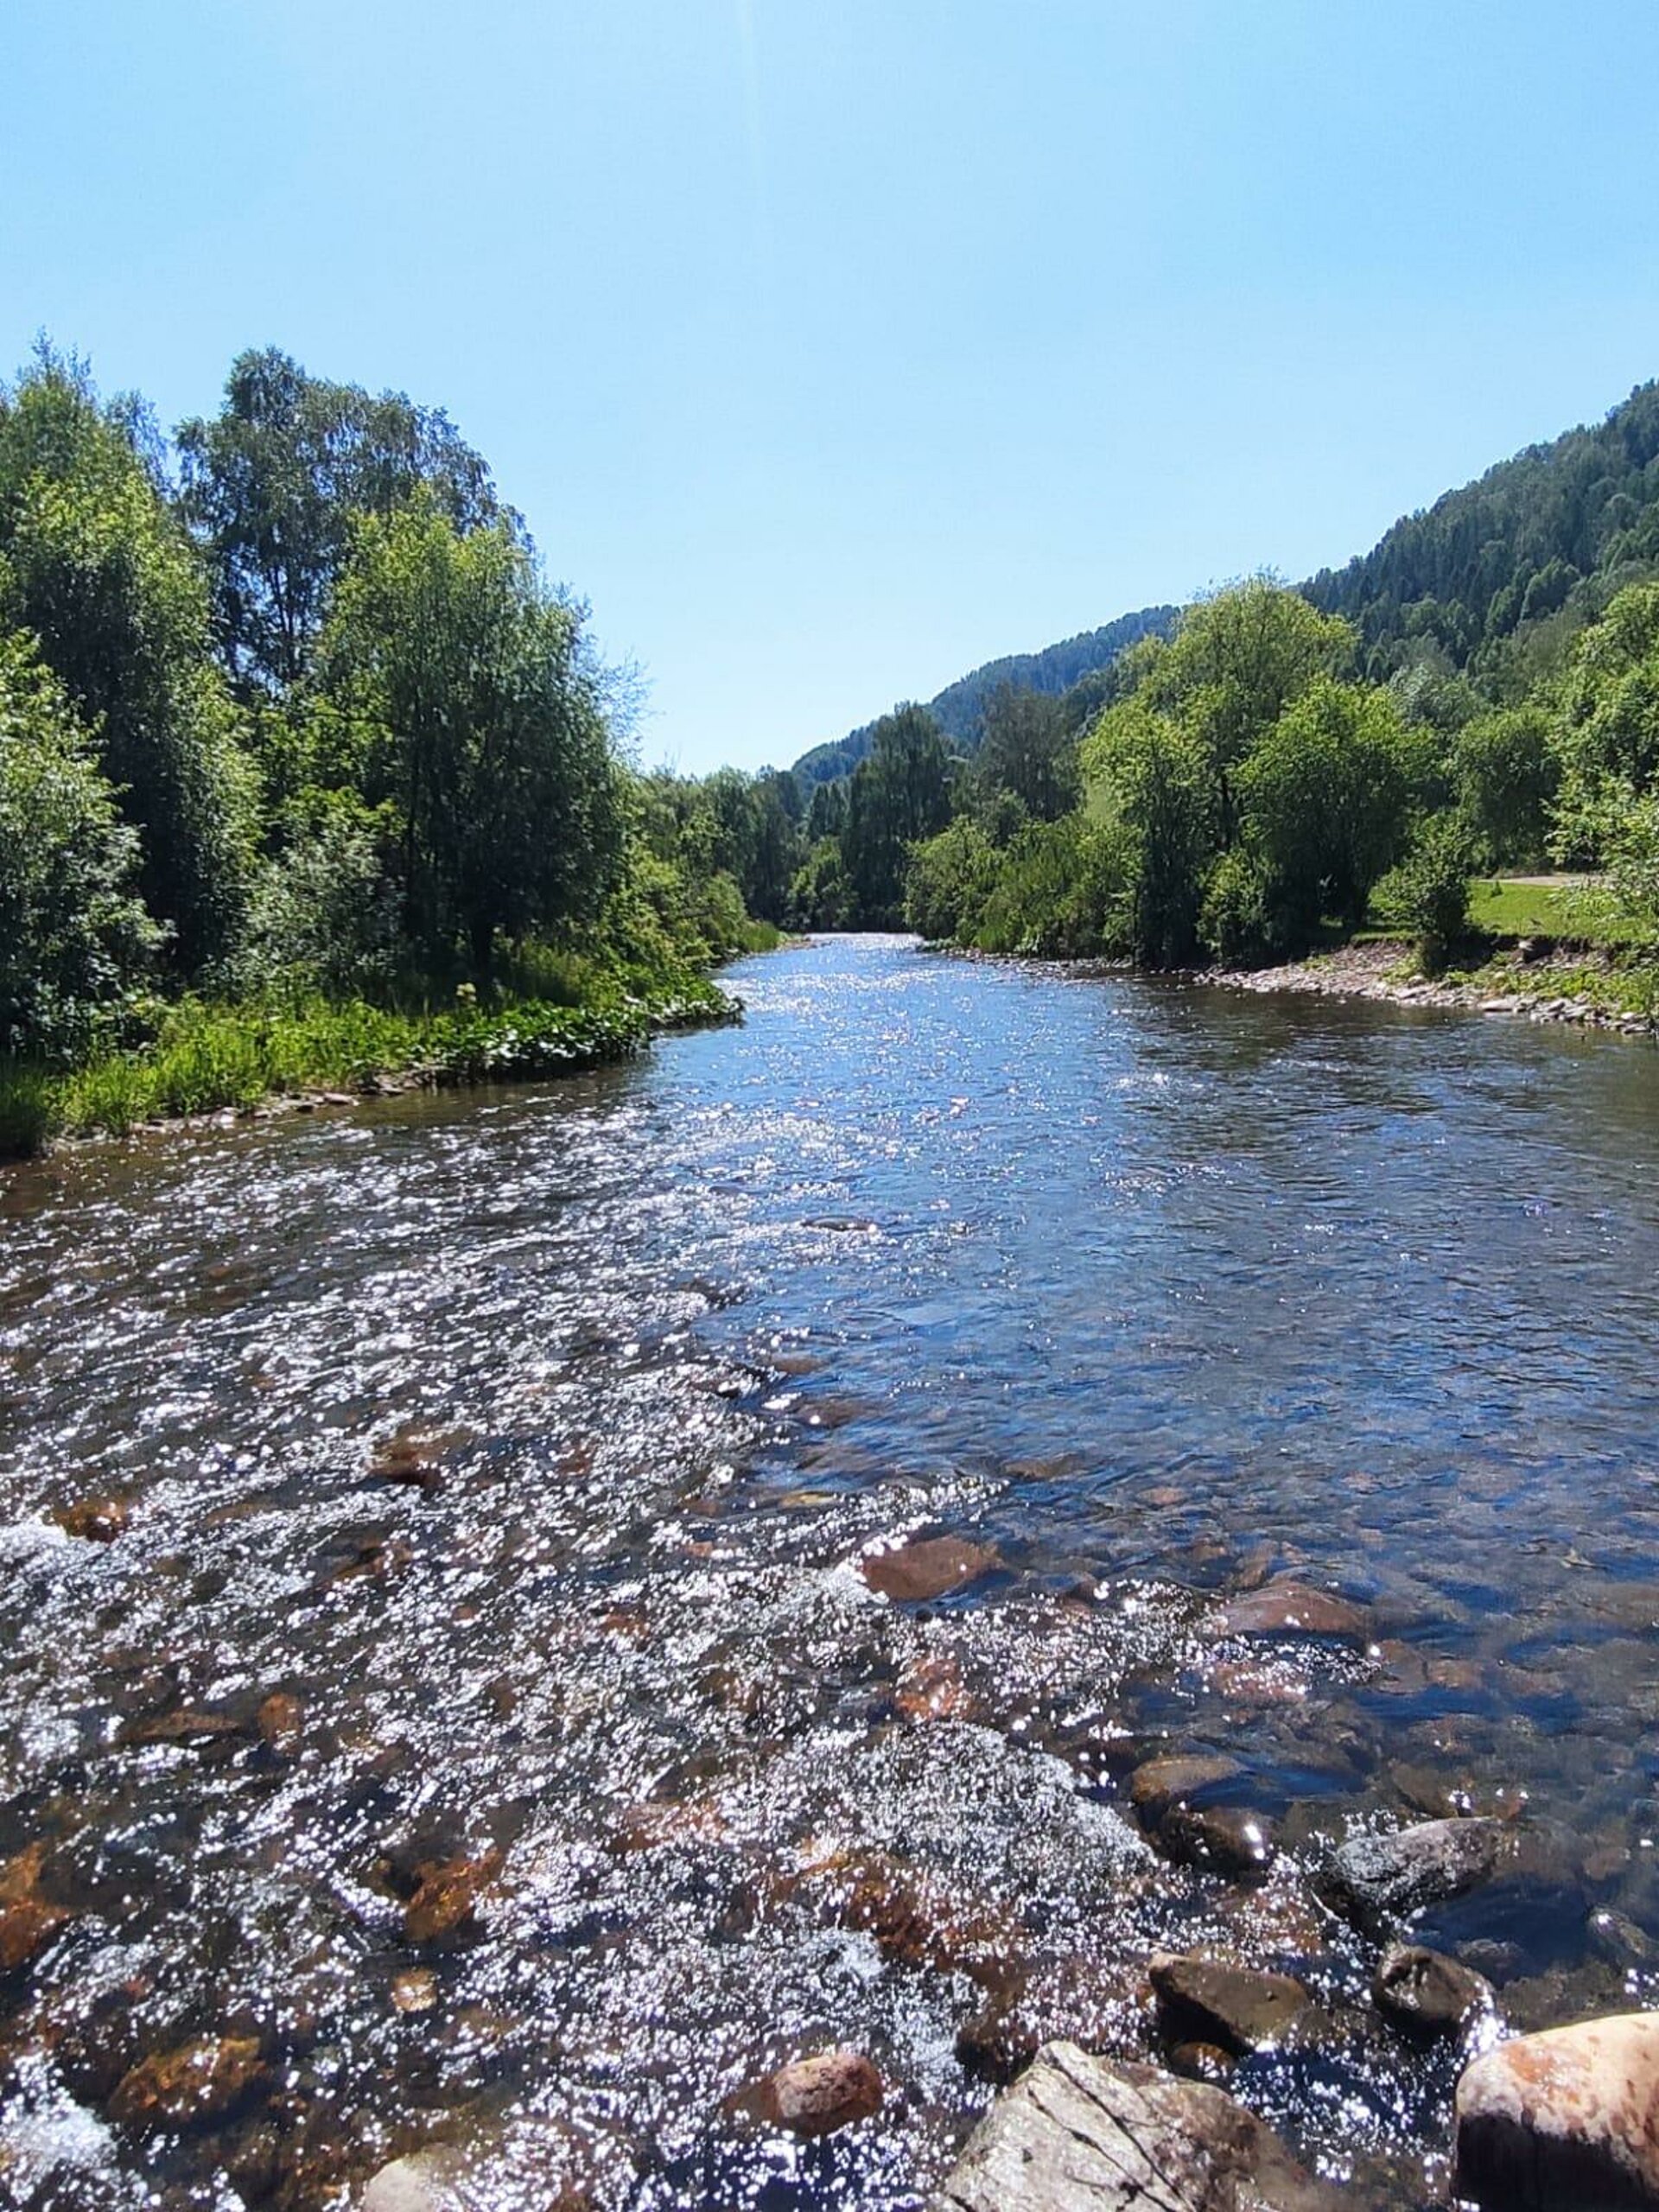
x: 197, y: 2081
x: 914, y: 1573
x: 1378, y: 1878
x: 412, y: 1455
x: 95, y: 1520
x: 27, y: 1919
x: 1218, y: 1839
x: 1425, y: 1995
x: 914, y: 1917
x: 1237, y: 2007
x: 447, y: 1894
x: 186, y: 1725
x: 814, y: 2096
x: 1203, y: 2061
x: 1569, y: 2118
x: 1082, y: 2134
x: 932, y: 1689
x: 1291, y: 1609
x: 1161, y: 1783
x: 279, y: 1721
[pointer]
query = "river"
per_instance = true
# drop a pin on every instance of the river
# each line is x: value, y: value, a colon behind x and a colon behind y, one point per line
x: 496, y: 1468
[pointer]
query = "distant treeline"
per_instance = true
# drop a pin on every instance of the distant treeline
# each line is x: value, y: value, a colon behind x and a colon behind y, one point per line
x: 1239, y: 779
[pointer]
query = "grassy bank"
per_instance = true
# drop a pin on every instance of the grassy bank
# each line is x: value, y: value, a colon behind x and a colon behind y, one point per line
x: 205, y: 1057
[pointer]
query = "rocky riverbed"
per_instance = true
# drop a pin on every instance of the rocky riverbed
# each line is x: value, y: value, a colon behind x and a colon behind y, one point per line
x: 652, y: 1644
x: 1529, y: 985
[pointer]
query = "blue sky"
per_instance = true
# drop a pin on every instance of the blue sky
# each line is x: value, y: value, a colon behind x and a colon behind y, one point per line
x: 833, y: 346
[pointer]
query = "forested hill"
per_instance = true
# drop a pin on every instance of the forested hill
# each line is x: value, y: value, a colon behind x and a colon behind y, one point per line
x: 959, y: 707
x: 1539, y: 542
x: 1497, y: 577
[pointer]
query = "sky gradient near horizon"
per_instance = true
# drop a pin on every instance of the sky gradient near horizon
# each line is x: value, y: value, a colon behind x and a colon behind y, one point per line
x: 831, y: 347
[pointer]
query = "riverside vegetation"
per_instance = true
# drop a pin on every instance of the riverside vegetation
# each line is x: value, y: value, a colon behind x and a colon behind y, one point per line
x: 306, y: 774
x: 297, y: 744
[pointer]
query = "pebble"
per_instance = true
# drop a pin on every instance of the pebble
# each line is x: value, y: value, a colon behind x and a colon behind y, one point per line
x: 1569, y: 2117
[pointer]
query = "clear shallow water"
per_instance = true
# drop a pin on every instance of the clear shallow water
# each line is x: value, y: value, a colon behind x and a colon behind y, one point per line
x: 1154, y: 1293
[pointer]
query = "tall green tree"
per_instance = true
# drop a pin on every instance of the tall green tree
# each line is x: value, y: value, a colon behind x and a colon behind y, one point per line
x: 96, y: 565
x: 458, y: 691
x: 272, y: 482
x: 900, y: 794
x: 1026, y: 747
x: 74, y: 938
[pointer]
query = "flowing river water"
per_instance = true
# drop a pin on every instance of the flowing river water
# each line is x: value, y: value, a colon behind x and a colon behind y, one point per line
x: 497, y: 1469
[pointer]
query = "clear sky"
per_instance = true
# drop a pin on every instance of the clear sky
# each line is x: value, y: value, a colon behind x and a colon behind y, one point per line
x: 831, y: 347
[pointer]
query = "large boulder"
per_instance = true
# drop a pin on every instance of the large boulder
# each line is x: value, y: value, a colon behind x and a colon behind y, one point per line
x: 1566, y: 2118
x: 1081, y: 2134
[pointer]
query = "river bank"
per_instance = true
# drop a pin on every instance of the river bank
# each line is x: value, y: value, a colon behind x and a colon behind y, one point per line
x: 215, y: 1064
x: 1559, y: 986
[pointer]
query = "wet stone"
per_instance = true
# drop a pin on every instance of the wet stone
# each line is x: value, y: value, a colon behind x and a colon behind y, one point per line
x: 1218, y: 1839
x: 1162, y: 1782
x: 1379, y: 1879
x: 1082, y: 2134
x: 197, y: 2081
x: 1237, y: 2007
x: 1565, y: 2118
x: 1291, y: 1609
x: 446, y: 1896
x: 915, y: 1574
x: 1425, y: 1995
x: 279, y: 1720
x: 28, y: 1921
x: 815, y: 2096
x: 1203, y: 2061
x: 95, y: 1520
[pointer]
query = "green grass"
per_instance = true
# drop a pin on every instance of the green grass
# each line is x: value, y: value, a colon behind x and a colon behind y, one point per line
x: 206, y: 1058
x: 1498, y: 906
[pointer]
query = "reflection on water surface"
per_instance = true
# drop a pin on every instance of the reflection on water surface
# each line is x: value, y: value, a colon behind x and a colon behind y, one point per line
x: 479, y: 1732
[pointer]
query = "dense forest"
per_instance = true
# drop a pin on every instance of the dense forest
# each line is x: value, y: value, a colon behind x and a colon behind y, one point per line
x: 305, y: 769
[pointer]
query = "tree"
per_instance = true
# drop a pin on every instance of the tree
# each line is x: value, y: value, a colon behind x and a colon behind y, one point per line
x: 1239, y: 658
x: 900, y: 794
x: 951, y: 878
x: 1026, y: 747
x: 74, y: 938
x: 1154, y: 790
x: 1324, y: 801
x: 272, y: 482
x: 1608, y: 730
x: 463, y: 695
x: 1505, y: 769
x: 93, y: 563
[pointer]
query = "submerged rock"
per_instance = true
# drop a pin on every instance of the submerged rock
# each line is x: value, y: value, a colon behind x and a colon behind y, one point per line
x: 1291, y: 1609
x: 1161, y: 1783
x: 447, y: 1894
x: 425, y: 2180
x: 814, y: 2096
x: 1375, y: 1879
x: 1567, y: 2118
x: 1237, y: 2007
x: 95, y: 1520
x: 198, y: 2082
x: 1082, y: 2134
x: 28, y: 1920
x: 914, y: 1573
x: 1425, y: 1995
x: 1218, y: 1839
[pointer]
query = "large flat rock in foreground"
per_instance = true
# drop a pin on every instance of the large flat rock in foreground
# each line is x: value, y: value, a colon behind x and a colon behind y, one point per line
x: 1082, y: 2134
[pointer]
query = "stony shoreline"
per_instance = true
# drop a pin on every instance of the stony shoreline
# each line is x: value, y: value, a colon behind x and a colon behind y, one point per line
x: 1375, y: 971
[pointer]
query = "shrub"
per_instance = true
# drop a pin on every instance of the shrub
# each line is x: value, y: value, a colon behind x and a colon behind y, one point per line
x: 1429, y: 892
